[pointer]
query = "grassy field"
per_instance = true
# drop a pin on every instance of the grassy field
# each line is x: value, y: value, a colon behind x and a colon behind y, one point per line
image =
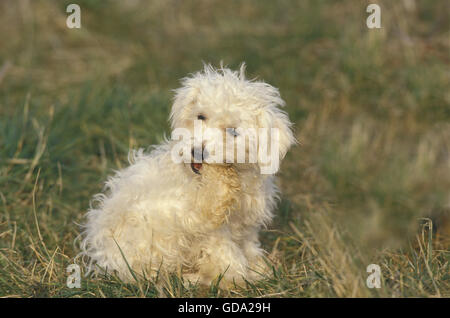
x: 369, y: 183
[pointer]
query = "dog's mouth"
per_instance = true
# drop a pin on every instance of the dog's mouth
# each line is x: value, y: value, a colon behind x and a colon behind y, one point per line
x: 196, y: 167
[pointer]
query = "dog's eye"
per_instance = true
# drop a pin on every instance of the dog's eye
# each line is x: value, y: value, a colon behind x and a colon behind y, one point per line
x: 201, y: 117
x: 232, y: 132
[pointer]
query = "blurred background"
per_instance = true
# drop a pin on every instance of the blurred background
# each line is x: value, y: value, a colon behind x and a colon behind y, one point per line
x: 369, y: 182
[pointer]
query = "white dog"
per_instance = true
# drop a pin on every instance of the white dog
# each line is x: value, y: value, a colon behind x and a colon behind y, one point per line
x: 197, y: 218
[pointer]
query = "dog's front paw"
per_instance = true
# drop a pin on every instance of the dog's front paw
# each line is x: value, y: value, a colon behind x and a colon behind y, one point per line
x: 192, y: 278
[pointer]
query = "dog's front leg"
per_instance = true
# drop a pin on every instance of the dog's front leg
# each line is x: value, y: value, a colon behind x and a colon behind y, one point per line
x: 257, y: 266
x: 220, y: 255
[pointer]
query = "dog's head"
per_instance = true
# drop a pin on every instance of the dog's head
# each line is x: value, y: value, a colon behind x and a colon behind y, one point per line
x: 231, y: 120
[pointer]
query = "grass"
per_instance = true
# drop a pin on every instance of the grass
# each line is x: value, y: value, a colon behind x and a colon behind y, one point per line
x: 370, y: 182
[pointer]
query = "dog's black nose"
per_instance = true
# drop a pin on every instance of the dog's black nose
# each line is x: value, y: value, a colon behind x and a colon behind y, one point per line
x: 199, y: 154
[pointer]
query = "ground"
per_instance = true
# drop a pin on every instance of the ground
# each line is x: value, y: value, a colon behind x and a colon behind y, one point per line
x: 369, y: 182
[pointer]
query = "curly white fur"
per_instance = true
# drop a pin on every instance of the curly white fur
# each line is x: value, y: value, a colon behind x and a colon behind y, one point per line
x: 163, y: 216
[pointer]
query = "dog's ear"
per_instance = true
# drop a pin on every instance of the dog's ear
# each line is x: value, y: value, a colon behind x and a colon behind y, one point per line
x: 279, y: 120
x: 184, y: 99
x: 275, y: 140
x: 278, y: 128
x: 273, y: 117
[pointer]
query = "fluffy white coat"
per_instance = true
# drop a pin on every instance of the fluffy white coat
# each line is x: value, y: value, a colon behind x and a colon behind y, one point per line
x: 159, y: 215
